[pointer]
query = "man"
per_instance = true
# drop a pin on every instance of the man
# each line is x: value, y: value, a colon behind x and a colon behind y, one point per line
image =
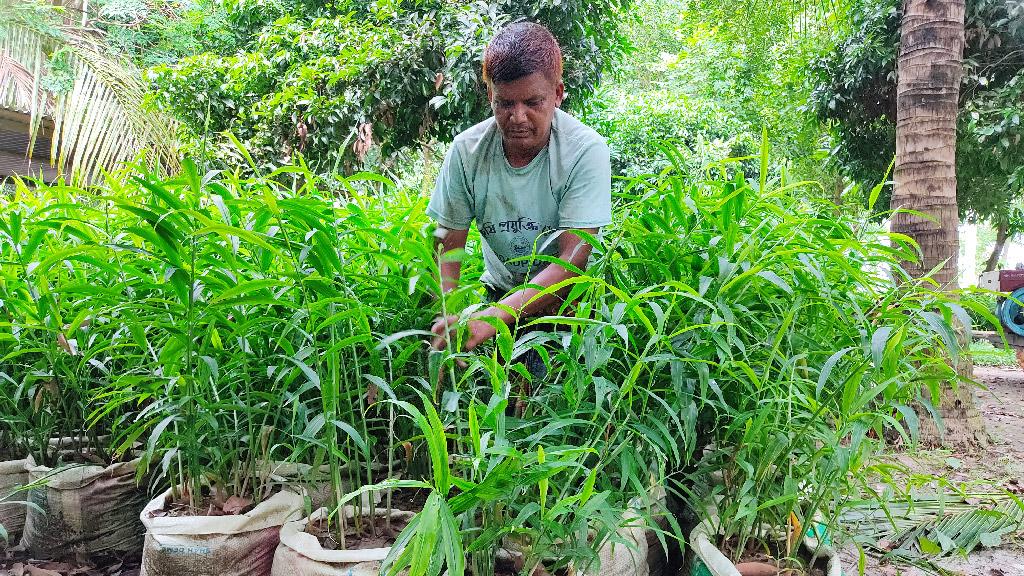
x: 528, y: 176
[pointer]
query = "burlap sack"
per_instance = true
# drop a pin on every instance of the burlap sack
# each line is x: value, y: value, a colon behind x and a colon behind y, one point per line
x: 84, y: 509
x: 241, y: 545
x: 618, y: 559
x: 300, y: 554
x: 639, y: 552
x: 13, y: 475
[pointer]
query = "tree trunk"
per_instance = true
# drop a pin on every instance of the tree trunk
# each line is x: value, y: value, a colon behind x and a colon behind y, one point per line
x: 927, y: 91
x: 997, y: 250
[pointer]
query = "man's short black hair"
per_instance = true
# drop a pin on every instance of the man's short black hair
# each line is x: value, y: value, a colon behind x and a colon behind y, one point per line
x: 520, y: 49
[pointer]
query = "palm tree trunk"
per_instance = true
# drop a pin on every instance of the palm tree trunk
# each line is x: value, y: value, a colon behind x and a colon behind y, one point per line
x: 927, y: 91
x: 997, y: 251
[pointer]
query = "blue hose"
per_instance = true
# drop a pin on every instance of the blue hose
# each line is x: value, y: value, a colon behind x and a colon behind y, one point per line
x: 1010, y: 312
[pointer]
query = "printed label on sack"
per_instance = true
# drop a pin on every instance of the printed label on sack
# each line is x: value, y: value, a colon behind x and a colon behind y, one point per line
x: 185, y: 550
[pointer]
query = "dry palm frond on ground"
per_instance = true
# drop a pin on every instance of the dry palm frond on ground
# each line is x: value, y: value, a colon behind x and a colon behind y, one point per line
x: 920, y: 527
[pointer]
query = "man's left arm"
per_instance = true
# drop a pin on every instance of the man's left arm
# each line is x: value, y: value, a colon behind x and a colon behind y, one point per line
x: 571, y: 249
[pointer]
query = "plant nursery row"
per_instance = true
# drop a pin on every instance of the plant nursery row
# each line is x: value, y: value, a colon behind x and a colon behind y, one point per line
x: 231, y: 375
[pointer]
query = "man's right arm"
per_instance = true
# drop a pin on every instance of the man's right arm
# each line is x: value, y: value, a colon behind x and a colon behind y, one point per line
x: 447, y: 240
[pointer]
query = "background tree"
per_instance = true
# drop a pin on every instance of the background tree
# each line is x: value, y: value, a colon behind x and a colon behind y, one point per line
x: 927, y: 97
x: 855, y: 94
x: 336, y: 82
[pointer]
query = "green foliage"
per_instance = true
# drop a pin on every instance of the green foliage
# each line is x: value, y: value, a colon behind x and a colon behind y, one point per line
x: 793, y: 345
x: 638, y: 128
x: 153, y: 32
x: 216, y: 323
x: 743, y: 62
x: 985, y: 354
x: 328, y: 81
x: 855, y: 93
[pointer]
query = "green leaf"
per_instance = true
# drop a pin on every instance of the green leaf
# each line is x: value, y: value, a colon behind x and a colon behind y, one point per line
x: 991, y: 539
x: 929, y: 546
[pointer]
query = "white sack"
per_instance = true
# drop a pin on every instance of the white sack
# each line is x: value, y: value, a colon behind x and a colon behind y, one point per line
x: 235, y: 545
x: 300, y: 554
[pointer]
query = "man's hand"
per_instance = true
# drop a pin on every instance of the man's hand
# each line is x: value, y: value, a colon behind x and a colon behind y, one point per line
x: 479, y: 330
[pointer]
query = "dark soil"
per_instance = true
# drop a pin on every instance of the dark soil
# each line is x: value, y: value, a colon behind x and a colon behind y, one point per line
x: 207, y: 506
x: 377, y: 532
x: 407, y: 499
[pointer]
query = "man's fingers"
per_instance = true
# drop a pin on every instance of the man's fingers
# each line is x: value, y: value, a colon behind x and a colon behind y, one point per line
x: 440, y: 326
x: 439, y: 343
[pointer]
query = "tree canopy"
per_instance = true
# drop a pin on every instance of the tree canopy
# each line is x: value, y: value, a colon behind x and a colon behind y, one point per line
x: 333, y: 81
x: 856, y: 95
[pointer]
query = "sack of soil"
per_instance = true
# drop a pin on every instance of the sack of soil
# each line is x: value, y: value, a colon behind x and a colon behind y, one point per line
x: 13, y: 475
x: 229, y: 545
x: 636, y: 549
x: 631, y: 557
x: 87, y: 509
x: 83, y: 508
x: 302, y: 553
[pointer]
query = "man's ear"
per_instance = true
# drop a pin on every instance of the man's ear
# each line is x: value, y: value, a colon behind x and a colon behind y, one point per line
x: 560, y: 93
x: 490, y: 95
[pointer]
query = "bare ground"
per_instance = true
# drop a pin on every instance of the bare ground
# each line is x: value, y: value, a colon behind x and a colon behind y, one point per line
x: 1000, y: 465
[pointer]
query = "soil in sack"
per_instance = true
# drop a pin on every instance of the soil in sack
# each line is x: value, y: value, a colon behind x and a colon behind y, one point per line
x: 235, y: 538
x: 311, y: 547
x: 83, y: 509
x: 13, y: 475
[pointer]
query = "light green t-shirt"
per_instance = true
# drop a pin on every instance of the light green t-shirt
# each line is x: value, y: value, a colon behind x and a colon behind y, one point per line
x: 567, y: 185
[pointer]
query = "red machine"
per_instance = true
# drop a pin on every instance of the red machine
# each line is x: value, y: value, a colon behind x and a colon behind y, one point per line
x: 1009, y: 310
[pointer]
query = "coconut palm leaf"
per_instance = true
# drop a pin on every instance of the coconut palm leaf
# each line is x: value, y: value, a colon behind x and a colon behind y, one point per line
x: 936, y: 526
x: 101, y: 120
x: 18, y: 79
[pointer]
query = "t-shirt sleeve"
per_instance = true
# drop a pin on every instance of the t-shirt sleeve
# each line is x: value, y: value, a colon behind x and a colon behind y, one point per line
x: 450, y: 205
x: 587, y: 201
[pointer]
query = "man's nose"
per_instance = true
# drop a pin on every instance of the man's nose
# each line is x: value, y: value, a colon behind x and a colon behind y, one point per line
x: 518, y: 113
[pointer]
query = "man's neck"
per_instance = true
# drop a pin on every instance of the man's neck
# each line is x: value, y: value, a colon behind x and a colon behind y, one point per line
x: 518, y: 158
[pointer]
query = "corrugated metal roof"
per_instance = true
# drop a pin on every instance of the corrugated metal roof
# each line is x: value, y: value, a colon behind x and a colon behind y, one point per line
x: 14, y: 145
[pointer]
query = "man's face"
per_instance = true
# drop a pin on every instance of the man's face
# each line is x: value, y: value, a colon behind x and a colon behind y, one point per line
x: 524, y: 109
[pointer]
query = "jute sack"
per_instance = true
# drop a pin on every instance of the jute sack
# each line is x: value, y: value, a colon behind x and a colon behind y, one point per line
x: 239, y: 545
x: 300, y: 554
x: 631, y: 558
x: 84, y: 509
x: 637, y: 551
x: 13, y: 475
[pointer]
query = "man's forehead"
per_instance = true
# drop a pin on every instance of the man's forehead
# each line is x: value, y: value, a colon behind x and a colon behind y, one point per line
x: 535, y: 84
